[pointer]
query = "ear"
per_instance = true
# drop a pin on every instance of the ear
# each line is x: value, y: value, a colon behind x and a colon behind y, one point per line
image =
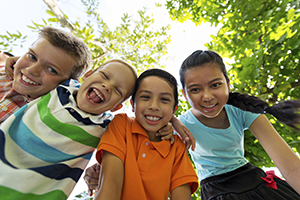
x: 184, y: 94
x: 175, y: 109
x: 117, y: 107
x: 132, y: 105
x: 87, y: 74
x: 228, y: 85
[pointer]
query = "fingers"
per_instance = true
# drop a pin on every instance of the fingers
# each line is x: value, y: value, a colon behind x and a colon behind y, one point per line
x: 9, y: 66
x: 91, y: 177
x: 189, y: 139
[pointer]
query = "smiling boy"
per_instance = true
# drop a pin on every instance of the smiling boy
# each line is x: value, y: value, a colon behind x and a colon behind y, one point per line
x: 46, y: 145
x: 53, y: 58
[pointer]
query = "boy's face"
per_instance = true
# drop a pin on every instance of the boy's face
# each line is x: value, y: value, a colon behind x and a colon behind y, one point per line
x: 154, y: 103
x: 106, y: 88
x: 41, y: 69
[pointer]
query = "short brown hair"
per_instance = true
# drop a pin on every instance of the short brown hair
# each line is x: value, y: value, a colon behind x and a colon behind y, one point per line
x: 73, y: 46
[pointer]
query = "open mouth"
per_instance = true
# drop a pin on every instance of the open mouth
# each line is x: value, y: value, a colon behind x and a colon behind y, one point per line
x: 28, y: 80
x: 95, y: 95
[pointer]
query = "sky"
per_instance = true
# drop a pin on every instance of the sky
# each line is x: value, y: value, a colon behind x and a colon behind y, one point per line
x: 186, y: 37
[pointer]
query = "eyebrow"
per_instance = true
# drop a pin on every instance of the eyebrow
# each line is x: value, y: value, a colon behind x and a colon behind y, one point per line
x: 164, y: 93
x: 214, y: 80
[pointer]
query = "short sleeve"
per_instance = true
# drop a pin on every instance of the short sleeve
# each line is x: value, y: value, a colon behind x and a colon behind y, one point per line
x: 113, y: 139
x: 183, y: 171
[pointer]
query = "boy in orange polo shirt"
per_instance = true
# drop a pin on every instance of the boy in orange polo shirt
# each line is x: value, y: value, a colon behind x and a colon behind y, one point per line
x: 136, y: 164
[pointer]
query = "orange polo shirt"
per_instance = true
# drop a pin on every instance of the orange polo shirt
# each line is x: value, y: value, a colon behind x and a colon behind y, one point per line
x: 152, y: 169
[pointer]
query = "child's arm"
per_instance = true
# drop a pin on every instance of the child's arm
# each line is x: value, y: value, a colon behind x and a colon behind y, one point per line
x: 182, y: 192
x: 184, y: 132
x: 111, y: 177
x: 9, y: 66
x: 279, y: 151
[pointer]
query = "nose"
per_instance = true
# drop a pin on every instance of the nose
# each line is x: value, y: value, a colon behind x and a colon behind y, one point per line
x: 35, y: 69
x: 207, y: 95
x: 107, y: 87
x: 153, y: 105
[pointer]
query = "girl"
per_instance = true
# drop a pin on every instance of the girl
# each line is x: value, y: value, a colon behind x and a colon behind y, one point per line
x: 218, y: 128
x: 136, y: 164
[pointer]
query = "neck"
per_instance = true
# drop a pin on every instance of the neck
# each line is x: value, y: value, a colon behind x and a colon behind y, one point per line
x: 220, y: 122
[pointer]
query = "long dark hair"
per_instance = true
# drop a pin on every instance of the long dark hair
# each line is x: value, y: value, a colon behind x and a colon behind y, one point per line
x: 171, y: 80
x: 287, y: 112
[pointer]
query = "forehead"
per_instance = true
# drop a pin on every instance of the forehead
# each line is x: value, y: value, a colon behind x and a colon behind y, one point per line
x: 156, y: 84
x: 116, y: 66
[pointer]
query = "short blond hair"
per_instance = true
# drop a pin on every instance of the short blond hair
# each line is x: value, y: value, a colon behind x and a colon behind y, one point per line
x: 73, y: 46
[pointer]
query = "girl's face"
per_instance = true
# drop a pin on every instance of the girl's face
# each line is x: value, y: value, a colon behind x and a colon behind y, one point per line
x: 153, y: 103
x: 206, y: 89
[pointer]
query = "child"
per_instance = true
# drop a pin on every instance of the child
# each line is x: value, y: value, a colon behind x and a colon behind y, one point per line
x: 218, y: 129
x: 136, y: 164
x: 46, y: 145
x: 53, y: 58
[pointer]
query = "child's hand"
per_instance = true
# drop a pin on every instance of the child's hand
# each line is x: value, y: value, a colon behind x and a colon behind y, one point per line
x: 91, y: 177
x: 166, y: 133
x: 184, y: 132
x: 9, y: 66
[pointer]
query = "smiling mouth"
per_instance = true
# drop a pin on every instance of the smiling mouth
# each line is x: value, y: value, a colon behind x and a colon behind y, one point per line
x: 152, y: 118
x: 209, y: 106
x: 95, y: 96
x: 27, y: 80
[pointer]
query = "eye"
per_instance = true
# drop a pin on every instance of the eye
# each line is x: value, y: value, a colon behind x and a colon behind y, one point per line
x: 104, y: 75
x: 165, y: 99
x: 194, y: 90
x: 215, y: 85
x: 118, y: 91
x: 32, y: 57
x: 145, y: 97
x: 51, y: 70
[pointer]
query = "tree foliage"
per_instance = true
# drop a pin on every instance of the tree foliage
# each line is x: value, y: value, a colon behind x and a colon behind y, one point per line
x: 262, y: 38
x: 134, y: 40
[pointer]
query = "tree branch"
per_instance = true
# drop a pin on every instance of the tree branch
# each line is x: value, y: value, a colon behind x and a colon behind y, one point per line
x: 58, y: 13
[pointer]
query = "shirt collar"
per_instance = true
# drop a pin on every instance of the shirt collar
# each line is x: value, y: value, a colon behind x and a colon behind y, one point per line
x: 13, y: 92
x: 102, y: 119
x: 162, y: 147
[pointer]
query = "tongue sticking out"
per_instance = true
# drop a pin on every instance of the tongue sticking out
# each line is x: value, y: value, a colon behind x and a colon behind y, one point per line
x: 94, y: 97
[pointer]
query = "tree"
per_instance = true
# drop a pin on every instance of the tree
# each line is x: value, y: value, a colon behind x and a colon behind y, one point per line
x: 262, y: 38
x: 135, y: 41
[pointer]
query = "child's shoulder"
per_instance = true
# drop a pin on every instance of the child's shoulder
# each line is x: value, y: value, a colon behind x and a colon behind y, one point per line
x: 71, y: 83
x: 178, y: 143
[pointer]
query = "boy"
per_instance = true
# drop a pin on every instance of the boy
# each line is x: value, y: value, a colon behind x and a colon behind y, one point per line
x: 46, y: 145
x: 135, y: 163
x: 53, y: 58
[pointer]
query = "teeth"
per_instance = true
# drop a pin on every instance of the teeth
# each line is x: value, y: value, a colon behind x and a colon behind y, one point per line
x: 209, y: 106
x: 152, y: 118
x: 97, y: 93
x: 27, y: 80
